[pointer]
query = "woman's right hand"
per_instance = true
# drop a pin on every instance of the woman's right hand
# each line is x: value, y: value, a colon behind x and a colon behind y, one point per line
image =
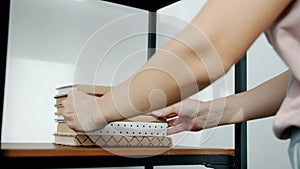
x: 189, y: 115
x: 82, y: 112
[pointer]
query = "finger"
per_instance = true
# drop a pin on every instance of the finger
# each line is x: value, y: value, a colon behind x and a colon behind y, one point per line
x: 73, y: 125
x: 175, y: 129
x: 174, y: 122
x: 169, y: 111
x: 69, y: 117
x: 65, y: 101
x: 164, y: 112
x: 67, y: 107
x: 172, y: 115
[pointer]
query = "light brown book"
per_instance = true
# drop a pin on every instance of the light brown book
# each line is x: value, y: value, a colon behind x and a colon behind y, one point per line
x: 60, y: 98
x: 112, y: 140
x: 73, y: 140
x: 91, y: 89
x: 62, y: 127
x: 64, y: 135
x: 59, y: 109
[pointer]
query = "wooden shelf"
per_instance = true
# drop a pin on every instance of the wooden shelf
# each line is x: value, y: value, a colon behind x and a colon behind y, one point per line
x: 49, y: 155
x: 52, y: 150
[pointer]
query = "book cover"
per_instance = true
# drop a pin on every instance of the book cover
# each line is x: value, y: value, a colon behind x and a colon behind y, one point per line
x: 91, y: 89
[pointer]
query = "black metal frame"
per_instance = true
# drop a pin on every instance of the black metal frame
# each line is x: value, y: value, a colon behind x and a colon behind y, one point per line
x: 217, y: 162
x: 152, y: 17
x: 241, y: 128
x: 4, y: 28
x: 151, y: 6
x: 238, y: 161
x: 241, y: 145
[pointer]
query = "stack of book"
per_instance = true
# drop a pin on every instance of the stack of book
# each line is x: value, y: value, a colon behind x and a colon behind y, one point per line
x: 138, y: 131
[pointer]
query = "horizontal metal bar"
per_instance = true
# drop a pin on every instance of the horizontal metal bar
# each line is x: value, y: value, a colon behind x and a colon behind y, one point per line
x: 117, y: 161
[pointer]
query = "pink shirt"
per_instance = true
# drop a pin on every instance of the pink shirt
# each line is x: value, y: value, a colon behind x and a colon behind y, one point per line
x: 284, y: 36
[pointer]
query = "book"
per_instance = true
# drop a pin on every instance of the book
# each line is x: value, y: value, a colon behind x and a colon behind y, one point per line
x: 59, y: 117
x: 59, y: 109
x: 97, y: 89
x: 62, y: 91
x: 112, y: 140
x: 73, y: 140
x: 140, y: 125
x: 62, y: 127
x: 59, y: 98
x: 118, y: 133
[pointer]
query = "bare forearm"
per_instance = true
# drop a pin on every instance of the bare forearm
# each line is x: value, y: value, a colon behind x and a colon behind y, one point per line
x: 259, y: 102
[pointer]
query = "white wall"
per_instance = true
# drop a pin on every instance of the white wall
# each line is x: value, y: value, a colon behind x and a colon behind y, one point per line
x: 47, y: 46
x: 55, y: 42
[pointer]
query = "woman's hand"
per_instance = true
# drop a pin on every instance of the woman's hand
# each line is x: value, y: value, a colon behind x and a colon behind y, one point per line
x: 189, y: 115
x: 82, y: 112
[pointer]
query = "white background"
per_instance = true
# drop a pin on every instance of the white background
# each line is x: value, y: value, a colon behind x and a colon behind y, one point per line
x: 57, y: 42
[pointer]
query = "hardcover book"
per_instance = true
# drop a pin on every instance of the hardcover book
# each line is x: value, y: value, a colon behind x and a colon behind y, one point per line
x: 112, y: 140
x: 91, y: 89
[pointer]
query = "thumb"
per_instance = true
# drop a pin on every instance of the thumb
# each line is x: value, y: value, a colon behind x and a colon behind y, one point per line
x: 157, y: 113
x: 165, y: 112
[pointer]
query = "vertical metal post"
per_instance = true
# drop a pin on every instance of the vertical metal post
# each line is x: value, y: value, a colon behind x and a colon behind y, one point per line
x: 151, y: 33
x: 151, y: 44
x: 241, y: 128
x: 148, y: 166
x: 4, y: 19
